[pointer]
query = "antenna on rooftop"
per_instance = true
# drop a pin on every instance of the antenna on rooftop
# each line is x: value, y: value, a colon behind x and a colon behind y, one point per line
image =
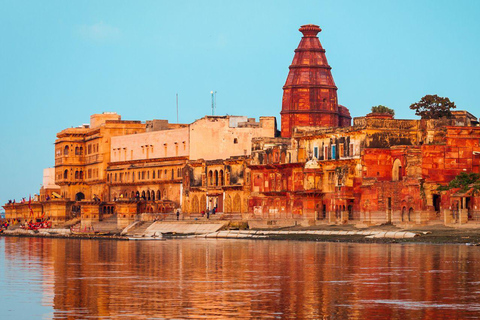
x: 214, y: 101
x: 177, y: 108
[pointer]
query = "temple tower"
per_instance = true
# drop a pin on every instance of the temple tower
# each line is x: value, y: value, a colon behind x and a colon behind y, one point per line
x: 310, y: 94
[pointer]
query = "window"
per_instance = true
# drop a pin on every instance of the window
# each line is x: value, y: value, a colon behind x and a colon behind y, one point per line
x: 351, y: 150
x: 341, y: 150
x: 65, y: 151
x: 315, y: 152
x: 235, y: 140
x: 333, y: 152
x: 397, y: 170
x: 331, y: 178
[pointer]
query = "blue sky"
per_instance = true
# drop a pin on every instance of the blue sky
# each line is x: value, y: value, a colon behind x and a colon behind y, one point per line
x: 61, y: 61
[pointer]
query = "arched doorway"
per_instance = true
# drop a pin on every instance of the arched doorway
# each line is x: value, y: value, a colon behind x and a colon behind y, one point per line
x: 397, y: 170
x: 79, y: 196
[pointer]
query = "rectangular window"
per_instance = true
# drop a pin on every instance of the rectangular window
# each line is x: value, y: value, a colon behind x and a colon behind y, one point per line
x: 333, y: 152
x: 315, y: 152
x: 341, y: 150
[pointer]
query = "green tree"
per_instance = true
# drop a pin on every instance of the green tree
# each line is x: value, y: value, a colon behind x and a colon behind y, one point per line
x: 464, y: 181
x: 433, y: 107
x: 383, y: 109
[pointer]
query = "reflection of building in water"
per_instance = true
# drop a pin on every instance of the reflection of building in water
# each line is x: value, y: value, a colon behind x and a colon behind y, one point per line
x: 321, y: 170
x: 222, y: 279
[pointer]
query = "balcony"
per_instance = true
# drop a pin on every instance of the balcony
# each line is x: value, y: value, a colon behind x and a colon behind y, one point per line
x: 70, y: 160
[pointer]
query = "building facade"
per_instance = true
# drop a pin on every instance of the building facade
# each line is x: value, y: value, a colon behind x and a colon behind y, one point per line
x: 320, y: 169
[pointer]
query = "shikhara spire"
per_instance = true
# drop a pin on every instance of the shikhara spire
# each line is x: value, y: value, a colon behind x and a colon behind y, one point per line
x: 310, y: 94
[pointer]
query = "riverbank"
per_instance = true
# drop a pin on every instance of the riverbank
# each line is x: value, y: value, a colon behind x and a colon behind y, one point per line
x: 376, y: 234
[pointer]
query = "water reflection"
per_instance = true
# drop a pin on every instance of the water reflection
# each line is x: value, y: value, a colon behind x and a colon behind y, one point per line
x: 238, y: 278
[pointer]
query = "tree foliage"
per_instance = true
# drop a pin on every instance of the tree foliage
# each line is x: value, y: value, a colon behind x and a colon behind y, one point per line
x: 464, y: 181
x: 383, y: 109
x: 433, y: 107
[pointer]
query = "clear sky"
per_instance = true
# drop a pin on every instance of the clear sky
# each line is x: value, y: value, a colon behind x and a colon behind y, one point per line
x: 61, y: 61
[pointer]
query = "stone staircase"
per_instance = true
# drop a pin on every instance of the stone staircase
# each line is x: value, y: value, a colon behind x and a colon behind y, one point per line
x: 139, y: 229
x: 107, y: 225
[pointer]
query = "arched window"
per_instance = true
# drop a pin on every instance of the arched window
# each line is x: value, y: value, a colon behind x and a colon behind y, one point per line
x: 152, y: 195
x: 65, y: 151
x: 65, y: 174
x: 133, y: 194
x: 148, y: 196
x: 77, y: 151
x: 143, y: 195
x: 216, y: 177
x: 220, y: 177
x: 159, y: 195
x: 235, y: 140
x: 81, y: 151
x: 79, y: 196
x: 81, y: 175
x: 210, y: 177
x: 397, y: 170
x: 76, y: 174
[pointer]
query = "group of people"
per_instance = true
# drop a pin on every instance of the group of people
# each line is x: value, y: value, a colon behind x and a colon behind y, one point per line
x: 208, y: 212
x: 4, y: 225
x: 30, y: 225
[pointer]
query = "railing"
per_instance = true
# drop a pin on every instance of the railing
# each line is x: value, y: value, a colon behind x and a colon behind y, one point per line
x: 73, y: 160
x: 93, y: 158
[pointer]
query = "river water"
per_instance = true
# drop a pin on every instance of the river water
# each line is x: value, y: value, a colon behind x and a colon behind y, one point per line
x: 44, y: 278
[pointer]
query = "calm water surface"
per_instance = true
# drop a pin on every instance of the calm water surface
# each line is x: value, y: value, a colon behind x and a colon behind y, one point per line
x: 215, y: 279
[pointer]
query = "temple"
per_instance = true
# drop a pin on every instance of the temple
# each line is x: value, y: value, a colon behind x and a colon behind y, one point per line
x: 309, y: 94
x: 320, y: 168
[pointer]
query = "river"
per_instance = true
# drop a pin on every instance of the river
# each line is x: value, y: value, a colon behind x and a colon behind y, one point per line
x: 43, y: 278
